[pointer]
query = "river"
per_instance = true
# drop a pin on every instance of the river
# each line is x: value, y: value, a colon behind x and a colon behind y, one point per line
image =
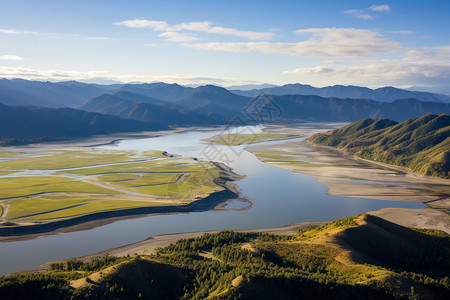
x: 280, y: 197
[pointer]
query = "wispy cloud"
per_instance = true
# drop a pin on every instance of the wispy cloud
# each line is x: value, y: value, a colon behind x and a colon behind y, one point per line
x: 74, y: 35
x: 380, y: 8
x: 101, y: 76
x: 417, y: 66
x: 402, y: 32
x: 174, y: 36
x: 323, y: 42
x: 358, y: 13
x: 10, y: 57
x: 99, y: 38
x: 364, y: 15
x: 206, y: 27
x: 16, y: 31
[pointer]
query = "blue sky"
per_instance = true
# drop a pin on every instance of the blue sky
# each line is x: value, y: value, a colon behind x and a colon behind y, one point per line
x: 398, y: 43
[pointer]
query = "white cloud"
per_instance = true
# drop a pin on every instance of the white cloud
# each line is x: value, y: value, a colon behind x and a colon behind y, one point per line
x: 358, y: 13
x: 102, y: 76
x: 402, y: 32
x: 364, y: 15
x: 206, y: 27
x: 174, y: 36
x: 323, y: 42
x: 99, y: 38
x: 380, y: 8
x: 10, y: 57
x: 15, y: 31
x: 156, y: 25
x: 417, y: 67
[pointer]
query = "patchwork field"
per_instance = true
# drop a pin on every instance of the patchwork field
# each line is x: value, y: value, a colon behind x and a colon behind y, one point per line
x: 61, y: 184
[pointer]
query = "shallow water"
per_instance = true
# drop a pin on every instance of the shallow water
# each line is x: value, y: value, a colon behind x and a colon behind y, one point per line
x: 281, y: 197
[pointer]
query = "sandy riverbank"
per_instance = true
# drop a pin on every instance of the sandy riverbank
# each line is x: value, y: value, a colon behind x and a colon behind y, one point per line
x: 346, y: 175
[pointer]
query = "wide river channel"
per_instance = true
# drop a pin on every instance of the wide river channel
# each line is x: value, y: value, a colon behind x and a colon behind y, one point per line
x: 280, y: 197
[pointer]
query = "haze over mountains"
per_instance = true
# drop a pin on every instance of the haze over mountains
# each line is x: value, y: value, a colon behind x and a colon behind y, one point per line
x: 163, y: 105
x: 73, y: 93
x: 143, y: 108
x: 384, y: 94
x: 19, y: 125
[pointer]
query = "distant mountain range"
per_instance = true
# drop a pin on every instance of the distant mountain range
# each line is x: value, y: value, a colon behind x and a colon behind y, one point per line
x: 214, y: 105
x: 143, y: 108
x: 74, y: 94
x: 20, y: 125
x: 385, y: 94
x: 314, y: 108
x: 158, y: 105
x: 48, y: 94
x: 420, y: 144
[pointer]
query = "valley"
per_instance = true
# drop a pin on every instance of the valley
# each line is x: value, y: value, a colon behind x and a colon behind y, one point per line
x: 101, y: 188
x: 224, y: 150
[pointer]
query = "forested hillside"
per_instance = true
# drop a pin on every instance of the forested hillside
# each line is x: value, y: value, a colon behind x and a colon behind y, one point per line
x: 362, y: 257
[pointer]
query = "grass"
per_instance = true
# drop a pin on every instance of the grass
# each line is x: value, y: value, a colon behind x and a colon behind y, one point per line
x: 5, y: 172
x: 149, y: 179
x: 285, y: 159
x: 47, y: 184
x: 153, y: 153
x: 248, y: 138
x: 41, y: 204
x: 95, y: 206
x: 7, y: 154
x: 113, y: 177
x: 68, y: 159
x: 73, y: 192
x: 161, y: 165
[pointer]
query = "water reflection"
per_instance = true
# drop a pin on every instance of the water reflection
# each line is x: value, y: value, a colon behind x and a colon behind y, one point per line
x: 281, y: 197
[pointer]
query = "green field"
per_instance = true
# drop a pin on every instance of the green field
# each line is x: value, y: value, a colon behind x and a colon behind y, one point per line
x: 67, y: 159
x: 24, y: 186
x: 285, y: 159
x: 129, y: 180
x: 249, y: 138
x: 8, y: 154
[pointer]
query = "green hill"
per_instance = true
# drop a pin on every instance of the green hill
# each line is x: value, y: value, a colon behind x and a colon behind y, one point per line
x: 420, y: 144
x: 362, y: 257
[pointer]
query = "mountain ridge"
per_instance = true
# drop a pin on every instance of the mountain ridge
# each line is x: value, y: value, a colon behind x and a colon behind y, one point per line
x: 74, y: 93
x: 142, y: 108
x: 385, y: 94
x: 22, y: 125
x: 420, y: 144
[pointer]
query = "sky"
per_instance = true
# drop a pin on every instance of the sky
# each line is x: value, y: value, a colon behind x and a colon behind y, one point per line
x: 368, y: 43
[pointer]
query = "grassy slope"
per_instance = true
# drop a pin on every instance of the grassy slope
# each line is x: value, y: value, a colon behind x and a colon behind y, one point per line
x: 362, y: 257
x: 422, y: 144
